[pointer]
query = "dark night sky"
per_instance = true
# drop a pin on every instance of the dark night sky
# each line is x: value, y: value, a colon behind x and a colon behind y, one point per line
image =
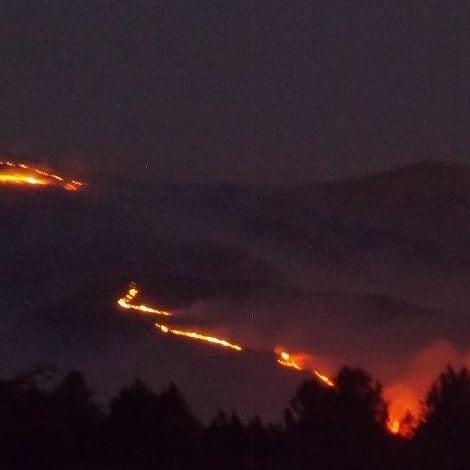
x: 266, y: 91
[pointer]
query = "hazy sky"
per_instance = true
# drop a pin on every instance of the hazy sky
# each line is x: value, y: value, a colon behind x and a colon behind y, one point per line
x: 241, y: 91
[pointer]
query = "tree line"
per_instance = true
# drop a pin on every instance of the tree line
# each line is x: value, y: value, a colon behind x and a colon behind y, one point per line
x: 323, y: 428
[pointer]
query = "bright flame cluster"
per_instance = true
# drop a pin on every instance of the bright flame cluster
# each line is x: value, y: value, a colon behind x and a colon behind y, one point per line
x: 286, y: 360
x: 22, y: 174
x: 396, y: 424
x: 125, y: 302
x: 404, y: 410
x: 393, y: 426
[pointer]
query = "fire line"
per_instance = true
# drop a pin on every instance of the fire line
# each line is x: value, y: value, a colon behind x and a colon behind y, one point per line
x: 283, y: 358
x: 198, y: 336
x: 125, y: 302
x: 22, y: 174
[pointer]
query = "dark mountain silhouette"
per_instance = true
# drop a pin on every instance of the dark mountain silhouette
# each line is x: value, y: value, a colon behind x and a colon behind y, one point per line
x: 403, y: 232
x: 427, y: 202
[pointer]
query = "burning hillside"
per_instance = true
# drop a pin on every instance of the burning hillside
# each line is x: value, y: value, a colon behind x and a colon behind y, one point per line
x: 12, y: 173
x: 404, y: 398
x: 232, y: 301
x: 283, y: 358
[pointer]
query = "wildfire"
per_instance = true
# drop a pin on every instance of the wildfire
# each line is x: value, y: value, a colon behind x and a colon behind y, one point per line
x: 403, y: 426
x: 17, y: 178
x: 285, y: 359
x: 198, y: 336
x: 125, y: 302
x: 394, y: 426
x: 22, y: 174
x: 404, y: 408
x: 399, y: 422
x: 324, y: 378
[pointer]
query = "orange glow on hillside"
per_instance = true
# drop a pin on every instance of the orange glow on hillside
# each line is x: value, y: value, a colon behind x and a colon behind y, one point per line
x: 324, y: 378
x: 18, y: 178
x: 404, y: 408
x: 404, y: 405
x: 21, y: 174
x: 402, y: 426
x: 288, y: 360
x: 125, y: 302
x: 198, y: 336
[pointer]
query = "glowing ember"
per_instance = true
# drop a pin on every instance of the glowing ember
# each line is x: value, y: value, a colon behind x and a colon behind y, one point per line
x: 285, y: 359
x: 198, y: 336
x: 22, y: 174
x: 125, y: 302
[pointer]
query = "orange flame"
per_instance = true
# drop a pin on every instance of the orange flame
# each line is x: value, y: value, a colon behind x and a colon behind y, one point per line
x: 324, y: 378
x: 198, y: 336
x: 397, y: 423
x: 404, y: 410
x: 402, y: 426
x: 125, y: 302
x: 393, y: 426
x: 285, y: 359
x: 18, y: 178
x: 22, y: 174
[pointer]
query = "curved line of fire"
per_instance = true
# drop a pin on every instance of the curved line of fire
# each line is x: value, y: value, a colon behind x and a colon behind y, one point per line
x: 283, y: 358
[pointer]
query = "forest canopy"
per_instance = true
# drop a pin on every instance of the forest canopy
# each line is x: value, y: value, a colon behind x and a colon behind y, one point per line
x: 63, y: 427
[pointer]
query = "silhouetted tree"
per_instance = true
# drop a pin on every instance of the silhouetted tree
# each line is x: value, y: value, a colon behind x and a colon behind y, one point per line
x: 350, y: 416
x: 23, y: 410
x: 227, y: 443
x: 331, y: 428
x: 147, y: 430
x: 359, y: 402
x: 443, y: 439
x: 75, y: 419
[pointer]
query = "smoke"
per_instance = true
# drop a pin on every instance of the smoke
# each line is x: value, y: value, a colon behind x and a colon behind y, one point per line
x: 407, y: 393
x: 312, y: 329
x: 196, y: 310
